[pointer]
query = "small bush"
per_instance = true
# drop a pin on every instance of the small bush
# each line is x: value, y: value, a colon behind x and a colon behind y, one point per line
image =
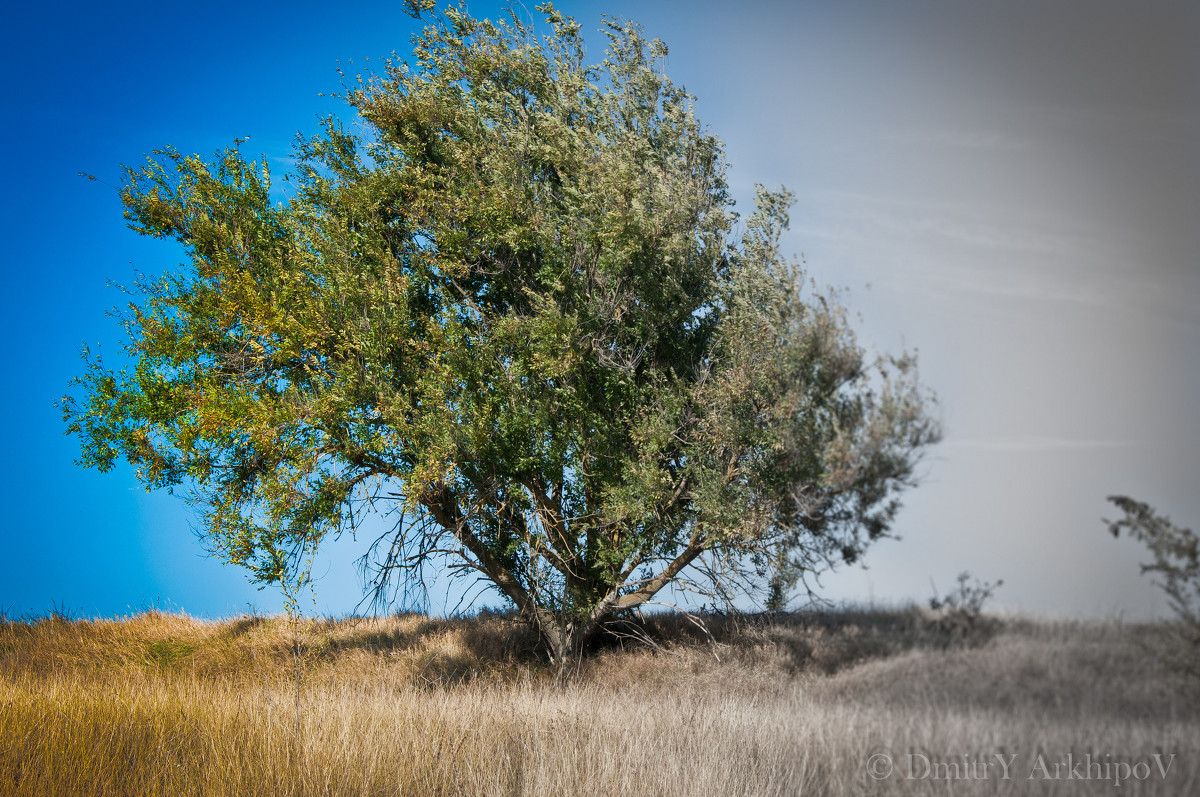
x: 959, y: 614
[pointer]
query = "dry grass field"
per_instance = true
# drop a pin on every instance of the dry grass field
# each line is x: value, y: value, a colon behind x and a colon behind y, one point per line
x: 837, y: 703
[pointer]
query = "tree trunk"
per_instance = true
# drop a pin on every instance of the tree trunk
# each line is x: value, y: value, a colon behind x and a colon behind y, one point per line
x: 566, y: 642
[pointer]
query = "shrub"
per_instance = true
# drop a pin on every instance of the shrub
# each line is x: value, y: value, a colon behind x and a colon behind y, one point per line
x: 1176, y: 553
x: 959, y: 614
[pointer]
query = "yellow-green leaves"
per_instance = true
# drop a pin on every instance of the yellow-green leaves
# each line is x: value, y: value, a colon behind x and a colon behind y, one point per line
x: 515, y: 309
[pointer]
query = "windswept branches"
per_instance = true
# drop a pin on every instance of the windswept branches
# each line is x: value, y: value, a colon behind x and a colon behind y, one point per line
x: 1176, y: 565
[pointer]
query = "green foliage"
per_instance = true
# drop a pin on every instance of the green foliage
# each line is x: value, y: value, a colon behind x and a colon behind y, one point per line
x: 1176, y: 553
x: 520, y: 311
x: 167, y: 654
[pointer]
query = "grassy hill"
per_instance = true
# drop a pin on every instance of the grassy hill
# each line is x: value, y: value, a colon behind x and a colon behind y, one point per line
x: 825, y: 703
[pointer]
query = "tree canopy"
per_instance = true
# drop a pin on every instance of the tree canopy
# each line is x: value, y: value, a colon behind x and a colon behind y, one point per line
x: 512, y: 306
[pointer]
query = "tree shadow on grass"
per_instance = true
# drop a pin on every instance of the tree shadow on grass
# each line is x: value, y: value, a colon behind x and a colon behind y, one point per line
x: 242, y: 626
x: 438, y: 650
x: 822, y: 640
x: 499, y: 646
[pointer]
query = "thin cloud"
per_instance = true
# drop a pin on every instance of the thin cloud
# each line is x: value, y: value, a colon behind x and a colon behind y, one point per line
x: 952, y: 252
x: 1031, y: 443
x: 994, y: 140
x: 851, y: 215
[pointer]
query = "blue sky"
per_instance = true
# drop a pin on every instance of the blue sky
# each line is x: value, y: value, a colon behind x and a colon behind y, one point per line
x: 1011, y: 188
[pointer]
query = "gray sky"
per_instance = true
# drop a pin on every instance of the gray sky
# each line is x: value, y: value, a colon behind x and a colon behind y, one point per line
x: 1012, y: 189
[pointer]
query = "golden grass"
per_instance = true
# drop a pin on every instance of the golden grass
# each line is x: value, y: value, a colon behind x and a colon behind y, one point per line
x: 160, y: 704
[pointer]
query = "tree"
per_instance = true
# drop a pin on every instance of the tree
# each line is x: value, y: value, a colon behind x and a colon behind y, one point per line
x: 519, y: 313
x: 1176, y: 553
